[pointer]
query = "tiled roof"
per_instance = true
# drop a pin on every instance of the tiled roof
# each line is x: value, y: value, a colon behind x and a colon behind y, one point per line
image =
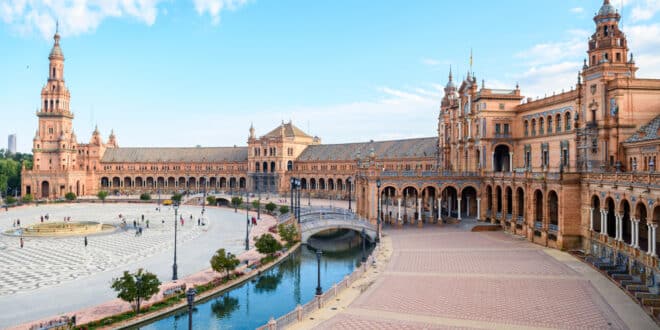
x: 409, y: 148
x: 647, y: 132
x: 194, y: 155
x: 290, y: 130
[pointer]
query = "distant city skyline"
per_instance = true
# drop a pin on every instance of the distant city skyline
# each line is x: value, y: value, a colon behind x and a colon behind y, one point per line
x: 199, y: 73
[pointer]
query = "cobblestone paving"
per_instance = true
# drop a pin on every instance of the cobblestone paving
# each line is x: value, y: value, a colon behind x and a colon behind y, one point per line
x: 44, y: 262
x: 441, y: 278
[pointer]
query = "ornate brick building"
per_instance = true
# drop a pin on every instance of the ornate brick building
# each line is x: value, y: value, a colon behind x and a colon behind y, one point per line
x: 563, y: 171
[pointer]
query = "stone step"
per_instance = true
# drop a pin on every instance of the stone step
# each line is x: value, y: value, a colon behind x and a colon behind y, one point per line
x: 634, y: 288
x: 622, y: 277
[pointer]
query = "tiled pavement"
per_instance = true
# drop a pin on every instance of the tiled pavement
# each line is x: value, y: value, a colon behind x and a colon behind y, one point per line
x: 447, y: 278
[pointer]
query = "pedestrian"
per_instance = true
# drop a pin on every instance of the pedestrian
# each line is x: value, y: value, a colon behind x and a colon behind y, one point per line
x: 42, y: 218
x: 147, y: 223
x: 134, y: 224
x: 18, y: 222
x: 162, y: 220
x: 143, y: 217
x: 191, y: 217
x: 199, y: 221
x: 21, y: 242
x: 85, y: 241
x: 140, y: 231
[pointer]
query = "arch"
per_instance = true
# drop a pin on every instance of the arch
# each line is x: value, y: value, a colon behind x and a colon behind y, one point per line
x: 202, y: 181
x: 264, y: 167
x: 191, y: 183
x: 321, y: 184
x: 656, y: 220
x: 312, y: 184
x: 232, y: 183
x: 567, y: 120
x: 138, y: 181
x: 489, y: 199
x: 553, y: 210
x: 128, y: 182
x: 241, y: 183
x: 498, y: 200
x: 303, y: 183
x: 388, y: 195
x: 520, y: 194
x: 171, y: 182
x: 533, y: 127
x: 409, y: 204
x: 550, y: 124
x: 508, y: 193
x: 159, y: 183
x: 538, y: 208
x: 611, y: 217
x: 449, y: 197
x: 272, y: 167
x: 340, y: 185
x: 558, y: 124
x: 289, y: 166
x: 116, y: 182
x: 213, y: 182
x: 105, y: 182
x: 469, y: 201
x: 331, y: 184
x: 45, y: 189
x: 595, y: 205
x: 150, y: 181
x: 77, y: 188
x: 182, y: 182
x: 256, y: 167
x: 624, y: 209
x: 541, y: 126
x: 501, y: 158
x: 641, y: 215
x: 526, y: 127
x: 223, y: 182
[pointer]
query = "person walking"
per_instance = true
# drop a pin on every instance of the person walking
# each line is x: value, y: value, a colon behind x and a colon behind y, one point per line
x: 134, y: 224
x: 147, y: 223
x: 18, y: 222
x: 85, y: 241
x: 21, y: 240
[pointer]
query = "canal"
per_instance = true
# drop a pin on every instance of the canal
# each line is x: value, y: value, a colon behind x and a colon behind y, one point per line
x: 273, y: 293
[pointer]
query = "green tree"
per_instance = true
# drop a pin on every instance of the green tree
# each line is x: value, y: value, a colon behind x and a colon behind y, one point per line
x: 177, y: 198
x: 283, y: 209
x: 224, y: 262
x: 10, y: 200
x: 211, y: 200
x: 135, y: 287
x: 236, y: 201
x: 102, y: 194
x: 70, y: 196
x: 256, y: 204
x: 145, y: 197
x: 289, y: 233
x: 28, y: 198
x: 267, y: 244
x: 270, y: 207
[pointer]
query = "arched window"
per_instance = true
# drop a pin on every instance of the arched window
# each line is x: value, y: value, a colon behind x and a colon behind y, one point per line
x: 541, y: 125
x: 533, y: 127
x: 289, y: 166
x: 46, y: 105
x: 558, y: 123
x: 549, y: 124
x: 568, y: 121
x: 526, y: 128
x: 54, y: 75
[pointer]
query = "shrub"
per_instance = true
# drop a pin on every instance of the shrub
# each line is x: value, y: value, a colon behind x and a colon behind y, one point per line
x: 289, y: 233
x: 11, y: 199
x: 284, y: 209
x: 145, y: 197
x: 102, y: 195
x: 224, y: 262
x: 28, y: 198
x: 211, y: 200
x: 271, y: 207
x: 177, y: 198
x: 267, y: 244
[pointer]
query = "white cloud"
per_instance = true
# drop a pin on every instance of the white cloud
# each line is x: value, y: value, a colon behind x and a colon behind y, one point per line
x: 215, y: 7
x: 75, y: 17
x: 577, y: 10
x: 430, y: 61
x: 645, y: 10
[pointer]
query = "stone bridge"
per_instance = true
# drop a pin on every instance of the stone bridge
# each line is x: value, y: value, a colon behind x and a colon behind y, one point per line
x: 316, y: 220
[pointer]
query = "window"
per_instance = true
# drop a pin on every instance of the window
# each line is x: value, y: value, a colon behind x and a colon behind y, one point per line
x: 526, y: 128
x: 497, y: 129
x: 533, y: 127
x: 549, y: 124
x: 541, y: 121
x: 50, y: 130
x: 506, y: 128
x: 501, y: 106
x: 564, y: 158
x: 618, y: 57
x: 568, y: 121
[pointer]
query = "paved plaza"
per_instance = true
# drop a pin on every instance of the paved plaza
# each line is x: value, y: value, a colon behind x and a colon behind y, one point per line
x: 445, y: 277
x: 50, y: 276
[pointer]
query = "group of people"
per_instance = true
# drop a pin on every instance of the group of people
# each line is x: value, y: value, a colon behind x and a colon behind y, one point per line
x: 46, y: 217
x: 16, y: 223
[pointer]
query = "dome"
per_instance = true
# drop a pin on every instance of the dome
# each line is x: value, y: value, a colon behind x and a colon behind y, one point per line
x: 607, y: 9
x: 56, y: 52
x: 451, y: 84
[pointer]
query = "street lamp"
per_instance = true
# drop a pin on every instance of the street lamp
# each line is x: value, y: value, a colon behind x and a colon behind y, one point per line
x: 293, y: 185
x: 247, y: 221
x: 319, y: 291
x: 138, y: 286
x: 158, y: 199
x: 258, y: 202
x: 204, y: 198
x: 297, y: 203
x: 348, y: 183
x: 190, y: 296
x: 378, y: 183
x: 364, y: 244
x: 174, y: 267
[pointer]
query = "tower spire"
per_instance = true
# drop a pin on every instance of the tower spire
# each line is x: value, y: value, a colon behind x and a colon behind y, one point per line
x: 451, y: 77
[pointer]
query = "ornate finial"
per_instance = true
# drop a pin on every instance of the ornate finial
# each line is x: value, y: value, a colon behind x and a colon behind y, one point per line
x: 57, y: 27
x: 483, y: 83
x: 451, y: 77
x: 517, y: 86
x: 632, y: 58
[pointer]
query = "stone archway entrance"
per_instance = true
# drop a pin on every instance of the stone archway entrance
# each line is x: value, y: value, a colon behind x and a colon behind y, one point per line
x: 45, y: 189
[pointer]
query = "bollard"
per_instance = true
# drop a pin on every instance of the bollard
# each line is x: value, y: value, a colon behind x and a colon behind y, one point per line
x: 299, y: 313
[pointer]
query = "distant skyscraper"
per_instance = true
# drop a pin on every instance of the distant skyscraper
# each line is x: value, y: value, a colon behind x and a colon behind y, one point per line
x: 11, y: 143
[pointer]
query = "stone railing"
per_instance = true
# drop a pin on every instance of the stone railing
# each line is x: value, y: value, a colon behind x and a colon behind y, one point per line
x: 302, y: 311
x: 626, y: 178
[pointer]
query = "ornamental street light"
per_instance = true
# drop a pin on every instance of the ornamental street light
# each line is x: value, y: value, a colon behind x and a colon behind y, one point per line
x: 247, y: 222
x: 190, y: 296
x: 378, y: 183
x: 174, y: 267
x: 319, y: 291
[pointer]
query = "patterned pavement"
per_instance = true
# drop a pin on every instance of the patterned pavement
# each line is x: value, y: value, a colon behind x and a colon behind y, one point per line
x: 448, y: 278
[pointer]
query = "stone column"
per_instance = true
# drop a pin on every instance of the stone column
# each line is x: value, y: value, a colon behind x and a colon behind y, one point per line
x: 603, y: 221
x: 492, y: 161
x: 419, y: 211
x: 478, y: 208
x: 648, y: 238
x: 510, y: 161
x: 398, y: 212
x: 636, y: 233
x: 632, y: 232
x: 440, y: 210
x: 619, y: 227
x: 591, y: 219
x: 469, y: 123
x: 459, y: 208
x: 654, y: 227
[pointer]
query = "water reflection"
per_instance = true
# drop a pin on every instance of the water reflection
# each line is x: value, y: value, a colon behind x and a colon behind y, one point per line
x: 272, y: 293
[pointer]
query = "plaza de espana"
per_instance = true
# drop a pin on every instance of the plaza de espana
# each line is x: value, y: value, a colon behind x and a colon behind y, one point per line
x: 563, y: 171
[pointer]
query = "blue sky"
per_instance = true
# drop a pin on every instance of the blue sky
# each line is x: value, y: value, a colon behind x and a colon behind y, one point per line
x: 182, y: 73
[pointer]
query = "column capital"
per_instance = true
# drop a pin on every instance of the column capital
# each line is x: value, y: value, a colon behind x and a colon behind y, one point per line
x: 478, y: 199
x: 653, y: 225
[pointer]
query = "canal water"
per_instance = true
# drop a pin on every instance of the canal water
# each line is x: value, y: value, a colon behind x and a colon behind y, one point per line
x: 273, y: 293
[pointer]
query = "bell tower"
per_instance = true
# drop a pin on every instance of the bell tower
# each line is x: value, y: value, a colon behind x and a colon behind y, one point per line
x: 54, y: 144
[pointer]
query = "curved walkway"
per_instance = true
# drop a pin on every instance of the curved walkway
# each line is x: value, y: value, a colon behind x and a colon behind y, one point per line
x: 446, y: 277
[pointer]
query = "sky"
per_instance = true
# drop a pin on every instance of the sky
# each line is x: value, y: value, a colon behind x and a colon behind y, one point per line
x: 185, y: 73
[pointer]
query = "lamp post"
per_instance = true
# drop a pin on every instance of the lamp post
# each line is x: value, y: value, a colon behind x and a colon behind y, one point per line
x: 138, y: 287
x: 364, y: 244
x: 190, y: 296
x: 298, y: 193
x: 204, y: 198
x: 378, y: 183
x: 348, y: 182
x: 293, y: 181
x: 158, y: 199
x: 258, y: 202
x: 247, y: 221
x: 319, y: 291
x: 174, y: 267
